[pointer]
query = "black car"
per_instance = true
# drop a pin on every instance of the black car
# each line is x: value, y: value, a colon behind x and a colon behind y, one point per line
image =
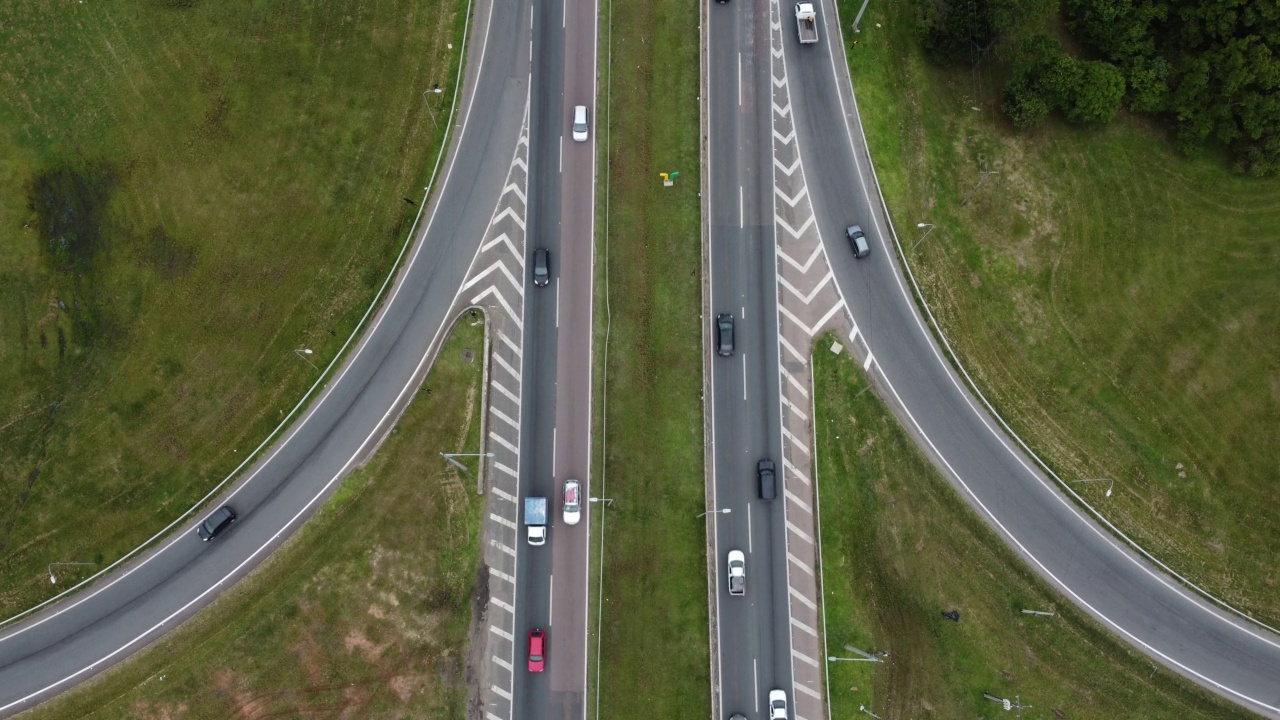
x: 542, y: 267
x: 724, y: 335
x: 220, y: 520
x: 858, y: 241
x: 768, y: 482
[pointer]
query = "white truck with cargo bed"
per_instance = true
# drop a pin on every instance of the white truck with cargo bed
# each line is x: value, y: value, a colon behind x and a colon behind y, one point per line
x: 806, y: 23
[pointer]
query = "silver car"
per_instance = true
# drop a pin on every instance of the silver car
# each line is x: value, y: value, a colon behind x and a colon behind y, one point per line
x: 572, y: 502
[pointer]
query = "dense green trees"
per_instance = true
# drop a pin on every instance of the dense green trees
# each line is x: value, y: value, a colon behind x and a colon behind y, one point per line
x: 1212, y: 66
x: 1045, y: 79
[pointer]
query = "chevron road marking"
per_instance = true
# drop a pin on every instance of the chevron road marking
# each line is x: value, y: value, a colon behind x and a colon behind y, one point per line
x: 503, y: 442
x: 799, y: 596
x: 503, y: 494
x: 795, y: 383
x: 505, y: 418
x: 795, y: 409
x: 502, y: 301
x: 776, y: 161
x: 792, y: 317
x: 505, y: 469
x: 806, y: 299
x: 499, y: 690
x: 794, y: 470
x: 512, y: 187
x: 514, y: 347
x: 503, y: 547
x: 510, y: 395
x: 505, y: 606
x: 801, y: 656
x: 796, y: 499
x: 795, y: 441
x: 795, y: 353
x: 792, y: 527
x: 804, y: 192
x: 502, y: 664
x: 794, y: 561
x: 795, y: 233
x: 498, y: 573
x: 508, y: 212
x: 870, y: 359
x: 503, y: 238
x: 807, y: 691
x: 834, y: 309
x: 501, y: 520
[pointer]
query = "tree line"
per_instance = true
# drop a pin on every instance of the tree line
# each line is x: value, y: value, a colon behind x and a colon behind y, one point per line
x: 1210, y: 67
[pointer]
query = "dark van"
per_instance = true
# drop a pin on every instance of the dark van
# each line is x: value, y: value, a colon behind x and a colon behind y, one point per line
x: 220, y: 520
x: 768, y: 482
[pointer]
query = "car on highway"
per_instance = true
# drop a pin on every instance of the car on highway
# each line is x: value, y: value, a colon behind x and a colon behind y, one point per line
x: 724, y: 335
x: 572, y: 502
x: 736, y: 716
x: 217, y: 521
x: 580, y: 123
x: 737, y: 573
x: 777, y: 705
x: 768, y: 482
x: 542, y: 267
x: 858, y: 241
x: 537, y: 650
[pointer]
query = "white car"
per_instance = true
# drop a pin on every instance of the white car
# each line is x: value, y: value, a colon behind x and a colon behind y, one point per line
x: 572, y: 502
x: 737, y: 573
x: 777, y: 705
x: 580, y: 123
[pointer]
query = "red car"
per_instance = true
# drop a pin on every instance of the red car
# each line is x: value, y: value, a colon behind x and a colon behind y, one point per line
x: 537, y: 650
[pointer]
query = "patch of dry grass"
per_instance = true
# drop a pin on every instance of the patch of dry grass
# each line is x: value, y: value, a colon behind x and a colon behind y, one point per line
x: 364, y: 614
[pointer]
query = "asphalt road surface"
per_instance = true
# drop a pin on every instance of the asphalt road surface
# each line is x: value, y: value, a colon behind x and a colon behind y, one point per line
x: 754, y: 640
x: 1093, y: 569
x: 74, y: 640
x: 556, y: 433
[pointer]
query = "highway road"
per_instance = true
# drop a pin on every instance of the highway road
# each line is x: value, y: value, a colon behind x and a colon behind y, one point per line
x: 753, y: 630
x: 556, y: 422
x: 73, y: 640
x: 1126, y: 593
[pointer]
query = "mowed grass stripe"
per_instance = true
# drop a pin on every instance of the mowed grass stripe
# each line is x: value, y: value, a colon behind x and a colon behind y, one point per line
x: 191, y: 191
x: 1117, y: 303
x: 654, y: 646
x: 900, y: 547
x: 366, y: 612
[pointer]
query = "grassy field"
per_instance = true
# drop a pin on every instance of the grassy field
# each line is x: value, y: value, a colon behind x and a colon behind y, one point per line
x: 1118, y: 304
x: 189, y: 192
x: 366, y: 613
x: 654, y: 644
x: 900, y: 547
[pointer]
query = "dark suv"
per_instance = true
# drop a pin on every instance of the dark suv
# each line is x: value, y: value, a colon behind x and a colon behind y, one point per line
x: 858, y: 241
x: 724, y: 334
x: 542, y: 267
x: 768, y: 483
x: 220, y: 520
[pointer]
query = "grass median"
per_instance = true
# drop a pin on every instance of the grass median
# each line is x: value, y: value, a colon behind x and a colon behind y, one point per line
x: 1116, y: 302
x: 900, y: 547
x: 199, y: 202
x: 366, y: 613
x: 653, y: 654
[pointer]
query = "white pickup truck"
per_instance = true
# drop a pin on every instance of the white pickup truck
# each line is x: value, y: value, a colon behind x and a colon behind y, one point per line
x: 737, y: 573
x: 806, y: 23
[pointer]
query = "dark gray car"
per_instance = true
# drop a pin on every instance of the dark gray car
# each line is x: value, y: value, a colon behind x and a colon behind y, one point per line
x: 858, y: 241
x: 218, y: 521
x: 724, y: 334
x: 541, y: 267
x: 768, y: 482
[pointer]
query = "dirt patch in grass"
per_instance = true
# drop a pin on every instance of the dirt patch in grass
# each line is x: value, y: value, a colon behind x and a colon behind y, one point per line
x: 190, y: 192
x: 900, y: 548
x: 1116, y: 302
x: 366, y: 613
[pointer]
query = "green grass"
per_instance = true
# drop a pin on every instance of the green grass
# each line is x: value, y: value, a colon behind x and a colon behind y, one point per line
x: 1116, y: 302
x: 366, y: 613
x: 899, y: 547
x: 654, y: 646
x: 189, y: 192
